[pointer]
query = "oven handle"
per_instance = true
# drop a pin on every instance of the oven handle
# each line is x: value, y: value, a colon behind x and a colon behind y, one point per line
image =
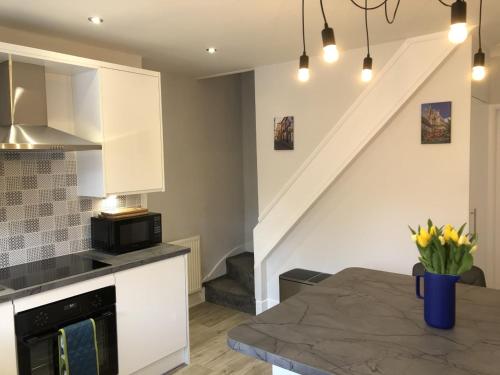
x: 30, y: 340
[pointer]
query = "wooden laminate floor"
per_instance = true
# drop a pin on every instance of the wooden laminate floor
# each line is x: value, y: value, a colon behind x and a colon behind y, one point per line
x: 210, y: 355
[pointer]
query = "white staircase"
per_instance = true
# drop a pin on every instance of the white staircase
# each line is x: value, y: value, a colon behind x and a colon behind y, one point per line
x: 405, y: 72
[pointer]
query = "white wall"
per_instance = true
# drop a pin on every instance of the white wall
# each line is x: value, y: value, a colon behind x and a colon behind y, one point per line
x: 317, y: 106
x: 362, y: 219
x: 69, y: 46
x: 203, y: 165
x: 249, y: 149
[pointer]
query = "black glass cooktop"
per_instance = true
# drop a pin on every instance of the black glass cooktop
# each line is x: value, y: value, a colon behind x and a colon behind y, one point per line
x: 44, y: 271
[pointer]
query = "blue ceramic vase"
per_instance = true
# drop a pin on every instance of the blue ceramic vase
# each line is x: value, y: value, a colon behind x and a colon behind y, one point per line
x: 439, y: 299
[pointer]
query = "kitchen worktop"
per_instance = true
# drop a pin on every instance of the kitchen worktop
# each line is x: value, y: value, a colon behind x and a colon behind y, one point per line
x: 113, y: 263
x: 361, y: 321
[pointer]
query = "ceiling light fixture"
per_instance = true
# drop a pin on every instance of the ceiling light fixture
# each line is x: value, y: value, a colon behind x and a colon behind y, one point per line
x: 96, y: 20
x: 367, y: 72
x: 330, y: 51
x: 303, y: 75
x: 458, y: 33
x: 211, y: 50
x: 458, y: 27
x: 479, y: 69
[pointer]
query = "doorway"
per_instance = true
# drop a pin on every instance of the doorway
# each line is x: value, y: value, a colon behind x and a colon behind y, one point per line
x: 485, y: 187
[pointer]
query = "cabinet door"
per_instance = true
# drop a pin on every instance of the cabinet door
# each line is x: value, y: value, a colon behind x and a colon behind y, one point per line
x: 8, y: 358
x: 151, y: 304
x: 132, y: 131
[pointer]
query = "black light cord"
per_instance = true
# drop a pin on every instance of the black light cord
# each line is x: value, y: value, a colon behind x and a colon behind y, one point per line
x: 391, y: 21
x: 445, y: 4
x: 366, y: 26
x: 303, y: 30
x: 366, y: 5
x: 480, y: 22
x: 384, y: 3
x: 323, y: 12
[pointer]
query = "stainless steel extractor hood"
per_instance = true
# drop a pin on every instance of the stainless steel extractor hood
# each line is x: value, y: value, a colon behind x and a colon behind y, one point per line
x: 23, y: 112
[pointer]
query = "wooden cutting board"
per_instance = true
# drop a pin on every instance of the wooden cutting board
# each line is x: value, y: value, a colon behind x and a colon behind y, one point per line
x: 122, y: 213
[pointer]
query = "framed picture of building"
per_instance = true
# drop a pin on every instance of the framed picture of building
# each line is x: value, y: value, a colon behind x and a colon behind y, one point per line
x: 436, y: 123
x: 283, y: 133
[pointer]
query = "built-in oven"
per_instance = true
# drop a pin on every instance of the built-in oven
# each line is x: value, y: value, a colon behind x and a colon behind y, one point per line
x: 37, y: 331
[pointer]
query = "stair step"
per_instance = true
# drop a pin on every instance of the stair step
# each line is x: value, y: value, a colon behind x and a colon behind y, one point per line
x: 241, y: 268
x: 227, y: 292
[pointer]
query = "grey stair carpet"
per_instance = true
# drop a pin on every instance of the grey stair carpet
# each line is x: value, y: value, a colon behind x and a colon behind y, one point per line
x: 236, y: 288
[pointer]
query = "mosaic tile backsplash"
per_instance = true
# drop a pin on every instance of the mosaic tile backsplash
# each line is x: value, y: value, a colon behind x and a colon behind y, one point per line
x: 41, y: 215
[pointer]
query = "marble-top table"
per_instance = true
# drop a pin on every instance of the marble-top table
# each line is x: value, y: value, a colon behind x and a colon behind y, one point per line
x: 361, y: 322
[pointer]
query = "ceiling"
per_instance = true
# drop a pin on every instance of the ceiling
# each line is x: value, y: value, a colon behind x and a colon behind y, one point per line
x: 246, y: 33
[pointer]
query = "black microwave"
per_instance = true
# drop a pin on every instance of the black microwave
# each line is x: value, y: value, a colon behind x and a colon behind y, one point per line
x: 120, y: 235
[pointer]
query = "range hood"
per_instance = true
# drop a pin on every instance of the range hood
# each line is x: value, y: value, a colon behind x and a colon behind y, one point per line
x: 23, y: 112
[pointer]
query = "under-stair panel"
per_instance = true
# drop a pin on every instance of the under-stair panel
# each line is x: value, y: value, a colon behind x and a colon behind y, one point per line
x: 391, y: 88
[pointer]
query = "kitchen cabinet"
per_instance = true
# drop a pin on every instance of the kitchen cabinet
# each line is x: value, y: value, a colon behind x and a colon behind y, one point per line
x: 8, y: 363
x: 130, y: 130
x: 152, y: 314
x: 114, y: 105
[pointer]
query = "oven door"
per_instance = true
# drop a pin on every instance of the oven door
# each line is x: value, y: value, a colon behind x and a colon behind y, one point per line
x: 38, y: 354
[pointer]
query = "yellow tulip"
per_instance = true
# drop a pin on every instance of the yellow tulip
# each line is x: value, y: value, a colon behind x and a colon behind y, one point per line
x: 442, y: 240
x: 463, y: 240
x: 450, y: 233
x: 423, y: 238
x: 473, y: 250
x: 433, y: 231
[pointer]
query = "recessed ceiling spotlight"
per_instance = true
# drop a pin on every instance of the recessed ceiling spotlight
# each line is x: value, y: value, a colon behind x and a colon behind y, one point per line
x: 211, y: 50
x: 96, y: 20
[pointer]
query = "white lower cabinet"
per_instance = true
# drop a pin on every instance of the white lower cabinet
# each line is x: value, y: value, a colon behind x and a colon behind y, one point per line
x: 8, y: 359
x: 152, y: 315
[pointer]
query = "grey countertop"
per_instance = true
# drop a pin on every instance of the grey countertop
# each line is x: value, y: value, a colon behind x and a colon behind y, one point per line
x: 116, y: 263
x: 362, y: 322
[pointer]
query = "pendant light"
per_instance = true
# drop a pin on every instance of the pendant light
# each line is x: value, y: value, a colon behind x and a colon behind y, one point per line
x: 303, y: 75
x: 479, y: 69
x: 330, y: 51
x: 458, y: 28
x: 367, y: 72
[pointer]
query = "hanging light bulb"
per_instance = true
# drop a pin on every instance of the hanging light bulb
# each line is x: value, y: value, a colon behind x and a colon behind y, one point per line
x: 458, y: 28
x: 330, y: 51
x: 304, y: 68
x: 367, y: 72
x: 303, y: 74
x: 479, y: 69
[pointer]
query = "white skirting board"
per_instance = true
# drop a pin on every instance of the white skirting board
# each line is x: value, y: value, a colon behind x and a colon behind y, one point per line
x: 194, y: 262
x: 281, y: 371
x: 165, y: 365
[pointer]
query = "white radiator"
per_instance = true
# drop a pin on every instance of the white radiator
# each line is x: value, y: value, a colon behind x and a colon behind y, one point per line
x: 194, y: 262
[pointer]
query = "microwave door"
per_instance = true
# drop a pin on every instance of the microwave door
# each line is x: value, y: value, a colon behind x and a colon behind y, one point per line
x: 132, y: 235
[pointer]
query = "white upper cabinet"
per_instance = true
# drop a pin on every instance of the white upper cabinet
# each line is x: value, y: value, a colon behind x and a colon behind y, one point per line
x: 113, y: 105
x: 132, y: 131
x: 122, y: 110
